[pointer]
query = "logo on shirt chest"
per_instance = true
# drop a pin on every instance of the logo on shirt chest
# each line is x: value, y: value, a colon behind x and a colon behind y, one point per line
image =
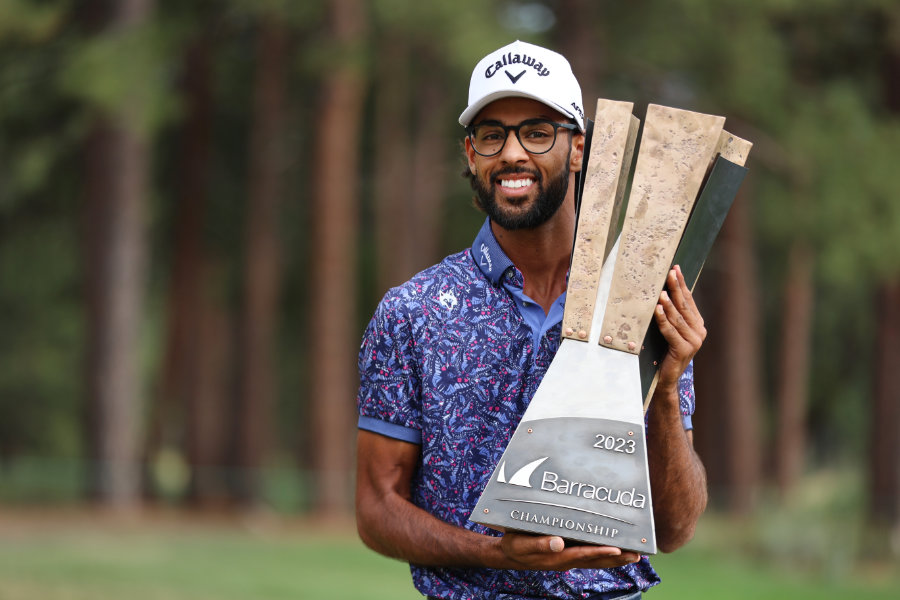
x: 448, y: 299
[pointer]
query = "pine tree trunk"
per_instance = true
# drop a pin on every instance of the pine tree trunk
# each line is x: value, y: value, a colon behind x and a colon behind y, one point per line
x: 117, y: 164
x: 794, y: 358
x: 334, y: 233
x: 177, y: 384
x: 429, y: 171
x: 262, y: 265
x: 583, y: 43
x: 711, y: 380
x: 884, y: 467
x: 393, y: 222
x: 208, y: 416
x: 741, y: 318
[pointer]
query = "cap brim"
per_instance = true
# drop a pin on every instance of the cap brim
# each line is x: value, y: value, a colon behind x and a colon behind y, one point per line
x: 472, y: 111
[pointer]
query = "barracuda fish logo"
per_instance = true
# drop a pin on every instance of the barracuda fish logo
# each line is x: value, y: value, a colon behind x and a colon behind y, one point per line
x: 522, y: 477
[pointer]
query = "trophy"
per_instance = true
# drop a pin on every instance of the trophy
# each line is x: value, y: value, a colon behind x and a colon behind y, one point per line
x: 576, y: 466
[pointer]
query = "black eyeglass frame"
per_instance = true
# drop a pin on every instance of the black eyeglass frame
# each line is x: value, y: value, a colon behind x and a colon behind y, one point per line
x: 470, y: 132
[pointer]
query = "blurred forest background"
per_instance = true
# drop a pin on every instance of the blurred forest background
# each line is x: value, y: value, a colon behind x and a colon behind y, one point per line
x: 202, y: 202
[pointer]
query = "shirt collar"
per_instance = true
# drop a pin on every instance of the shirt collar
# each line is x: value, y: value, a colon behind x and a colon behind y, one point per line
x: 488, y: 255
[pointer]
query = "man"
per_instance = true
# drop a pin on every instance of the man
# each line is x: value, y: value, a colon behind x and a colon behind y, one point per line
x: 451, y: 359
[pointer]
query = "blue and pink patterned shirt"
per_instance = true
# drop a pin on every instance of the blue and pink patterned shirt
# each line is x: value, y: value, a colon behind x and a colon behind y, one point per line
x: 450, y: 361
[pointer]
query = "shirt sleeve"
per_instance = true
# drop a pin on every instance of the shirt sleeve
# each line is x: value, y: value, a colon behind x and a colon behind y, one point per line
x: 686, y: 396
x: 388, y: 401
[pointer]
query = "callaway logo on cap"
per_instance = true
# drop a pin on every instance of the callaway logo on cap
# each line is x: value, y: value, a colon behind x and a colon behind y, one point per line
x: 528, y: 71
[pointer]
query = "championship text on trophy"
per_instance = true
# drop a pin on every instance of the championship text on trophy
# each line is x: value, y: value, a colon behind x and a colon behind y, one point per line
x: 576, y: 466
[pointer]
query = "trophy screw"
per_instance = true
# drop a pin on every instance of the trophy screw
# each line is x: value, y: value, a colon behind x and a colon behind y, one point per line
x: 487, y: 510
x: 569, y: 331
x: 643, y: 540
x: 631, y: 345
x: 530, y: 430
x: 630, y: 433
x: 582, y: 334
x: 655, y: 362
x: 608, y: 339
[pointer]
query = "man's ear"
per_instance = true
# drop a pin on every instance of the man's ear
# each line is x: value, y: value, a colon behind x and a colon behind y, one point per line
x: 576, y: 159
x: 470, y: 154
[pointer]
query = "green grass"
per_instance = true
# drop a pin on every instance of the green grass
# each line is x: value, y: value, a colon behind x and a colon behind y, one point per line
x: 704, y: 573
x: 78, y: 556
x: 151, y: 561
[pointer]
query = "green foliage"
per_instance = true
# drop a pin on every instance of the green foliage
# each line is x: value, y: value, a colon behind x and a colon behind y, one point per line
x: 40, y: 311
x: 39, y: 356
x: 289, y: 12
x: 124, y: 72
x: 30, y: 22
x: 459, y: 32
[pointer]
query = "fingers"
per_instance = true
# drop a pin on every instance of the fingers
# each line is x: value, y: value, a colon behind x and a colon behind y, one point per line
x: 677, y: 314
x: 681, y: 325
x: 681, y: 297
x: 550, y: 553
x: 520, y: 545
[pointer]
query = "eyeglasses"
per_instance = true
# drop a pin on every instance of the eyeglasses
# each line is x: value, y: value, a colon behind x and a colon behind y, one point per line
x: 537, y: 136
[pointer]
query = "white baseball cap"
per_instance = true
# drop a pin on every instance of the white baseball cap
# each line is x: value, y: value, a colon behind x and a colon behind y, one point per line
x: 528, y: 71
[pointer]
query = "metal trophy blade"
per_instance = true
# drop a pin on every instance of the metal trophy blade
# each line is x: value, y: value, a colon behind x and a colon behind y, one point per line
x: 576, y: 466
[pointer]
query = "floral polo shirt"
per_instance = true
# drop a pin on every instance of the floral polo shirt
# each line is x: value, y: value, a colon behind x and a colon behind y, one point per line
x: 450, y: 361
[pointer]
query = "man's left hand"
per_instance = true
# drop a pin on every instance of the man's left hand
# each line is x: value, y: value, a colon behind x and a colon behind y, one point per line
x: 681, y: 324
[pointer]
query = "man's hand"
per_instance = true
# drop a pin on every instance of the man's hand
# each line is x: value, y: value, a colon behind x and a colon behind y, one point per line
x: 549, y: 553
x: 681, y: 324
x: 677, y: 477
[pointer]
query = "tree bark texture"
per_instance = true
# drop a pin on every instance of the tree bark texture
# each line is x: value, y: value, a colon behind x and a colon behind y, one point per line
x: 429, y: 168
x: 393, y: 157
x: 332, y: 285
x: 583, y: 43
x: 262, y: 263
x: 208, y: 417
x: 117, y: 164
x: 711, y: 380
x: 743, y: 352
x: 793, y: 368
x: 884, y: 466
x: 178, y: 378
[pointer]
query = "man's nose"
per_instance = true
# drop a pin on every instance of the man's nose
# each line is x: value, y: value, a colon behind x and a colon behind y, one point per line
x: 513, y: 152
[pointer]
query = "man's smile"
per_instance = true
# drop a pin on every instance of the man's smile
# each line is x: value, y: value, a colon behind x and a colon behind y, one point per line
x: 516, y: 184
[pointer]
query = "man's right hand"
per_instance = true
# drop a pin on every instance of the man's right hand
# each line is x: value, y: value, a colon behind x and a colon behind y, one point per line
x: 550, y: 553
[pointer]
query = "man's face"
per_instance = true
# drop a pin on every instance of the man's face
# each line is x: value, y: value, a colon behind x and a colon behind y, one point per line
x: 516, y: 189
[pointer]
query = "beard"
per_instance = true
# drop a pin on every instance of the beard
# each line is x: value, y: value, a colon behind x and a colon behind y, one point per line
x: 550, y: 197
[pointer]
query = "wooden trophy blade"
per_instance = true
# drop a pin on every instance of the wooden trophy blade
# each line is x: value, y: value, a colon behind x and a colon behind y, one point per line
x: 607, y: 171
x: 703, y: 227
x: 675, y: 153
x: 616, y: 218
